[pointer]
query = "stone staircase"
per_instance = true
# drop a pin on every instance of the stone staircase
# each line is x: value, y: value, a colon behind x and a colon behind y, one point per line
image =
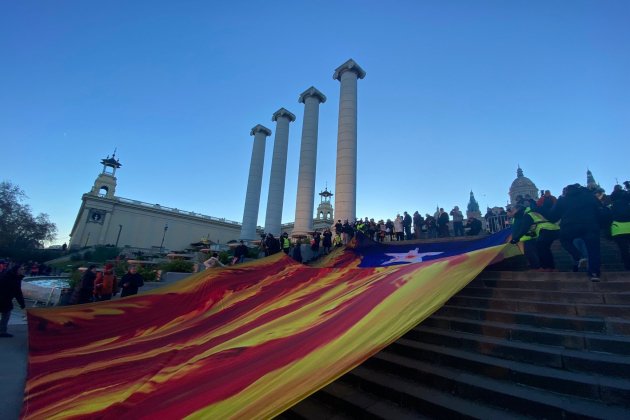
x: 509, y: 345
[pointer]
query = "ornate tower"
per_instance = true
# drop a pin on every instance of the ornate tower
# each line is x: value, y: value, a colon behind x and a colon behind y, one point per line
x: 590, y: 181
x: 325, y: 209
x: 473, y: 207
x: 105, y: 184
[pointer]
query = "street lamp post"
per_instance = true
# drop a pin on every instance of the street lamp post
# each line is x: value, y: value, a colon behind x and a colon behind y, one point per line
x: 163, y: 236
x: 118, y: 237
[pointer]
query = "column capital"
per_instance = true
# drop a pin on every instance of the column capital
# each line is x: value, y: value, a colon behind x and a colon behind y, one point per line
x: 349, y: 65
x: 261, y: 129
x: 282, y: 112
x: 312, y: 92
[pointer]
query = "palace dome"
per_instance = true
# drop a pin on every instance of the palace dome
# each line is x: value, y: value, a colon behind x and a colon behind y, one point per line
x: 522, y: 186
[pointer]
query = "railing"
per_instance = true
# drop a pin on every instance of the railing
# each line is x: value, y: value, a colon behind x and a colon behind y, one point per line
x: 497, y: 223
x: 175, y: 210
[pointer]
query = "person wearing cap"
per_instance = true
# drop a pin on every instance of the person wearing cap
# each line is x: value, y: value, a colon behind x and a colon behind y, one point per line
x: 541, y: 232
x: 105, y: 284
x: 10, y: 288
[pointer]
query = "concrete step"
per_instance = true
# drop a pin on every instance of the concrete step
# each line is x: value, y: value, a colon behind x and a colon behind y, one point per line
x: 541, y: 307
x: 557, y: 296
x: 593, y: 387
x: 387, y: 368
x: 508, y: 345
x: 553, y: 322
x: 312, y: 409
x: 339, y: 401
x: 425, y: 400
x: 533, y: 276
x: 554, y: 357
x: 586, y: 341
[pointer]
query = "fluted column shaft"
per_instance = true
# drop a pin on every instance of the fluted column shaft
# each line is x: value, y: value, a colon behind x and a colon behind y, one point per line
x: 346, y: 174
x: 277, y: 178
x: 305, y: 200
x: 254, y: 183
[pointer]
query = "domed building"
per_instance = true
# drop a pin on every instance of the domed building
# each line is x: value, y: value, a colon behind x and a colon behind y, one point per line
x: 522, y: 186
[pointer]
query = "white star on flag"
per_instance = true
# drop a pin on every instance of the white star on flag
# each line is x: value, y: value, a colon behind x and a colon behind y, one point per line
x: 410, y: 257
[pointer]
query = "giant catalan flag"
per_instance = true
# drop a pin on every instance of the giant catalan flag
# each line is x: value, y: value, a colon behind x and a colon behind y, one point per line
x: 247, y: 341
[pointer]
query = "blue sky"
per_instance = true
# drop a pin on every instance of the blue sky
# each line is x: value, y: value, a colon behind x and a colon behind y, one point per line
x: 457, y: 94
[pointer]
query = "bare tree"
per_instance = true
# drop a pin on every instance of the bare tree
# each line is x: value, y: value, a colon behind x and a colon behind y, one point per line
x: 19, y: 229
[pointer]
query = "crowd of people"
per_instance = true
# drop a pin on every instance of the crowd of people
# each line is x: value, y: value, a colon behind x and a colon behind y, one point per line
x: 401, y: 228
x: 97, y: 286
x: 577, y: 219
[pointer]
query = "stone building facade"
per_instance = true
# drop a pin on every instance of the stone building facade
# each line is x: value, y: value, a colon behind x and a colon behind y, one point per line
x: 105, y: 219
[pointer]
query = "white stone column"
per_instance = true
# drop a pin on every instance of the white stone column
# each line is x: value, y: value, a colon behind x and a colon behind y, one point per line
x: 346, y: 175
x: 277, y: 178
x: 254, y: 183
x: 305, y: 201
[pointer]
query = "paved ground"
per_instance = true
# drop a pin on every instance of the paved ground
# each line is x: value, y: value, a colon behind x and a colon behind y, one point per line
x: 13, y: 361
x: 13, y: 353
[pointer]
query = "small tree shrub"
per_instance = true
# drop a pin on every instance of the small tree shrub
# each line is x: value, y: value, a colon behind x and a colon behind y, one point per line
x: 225, y: 257
x: 148, y: 273
x: 178, y: 266
x: 103, y: 253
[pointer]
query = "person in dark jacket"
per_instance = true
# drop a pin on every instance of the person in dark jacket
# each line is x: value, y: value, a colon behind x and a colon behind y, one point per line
x: 240, y: 253
x: 315, y: 242
x: 473, y: 225
x: 348, y: 232
x: 327, y: 240
x: 272, y: 244
x: 10, y: 288
x: 297, y: 252
x: 620, y: 228
x: 130, y: 282
x: 86, y: 285
x: 442, y: 222
x: 407, y: 220
x: 578, y: 211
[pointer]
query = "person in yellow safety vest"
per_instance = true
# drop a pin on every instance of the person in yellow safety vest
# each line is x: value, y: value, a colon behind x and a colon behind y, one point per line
x: 540, y: 233
x: 361, y: 226
x: 620, y: 228
x: 529, y: 246
x: 286, y: 243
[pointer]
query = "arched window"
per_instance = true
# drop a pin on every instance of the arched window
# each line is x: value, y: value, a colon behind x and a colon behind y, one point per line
x: 103, y: 191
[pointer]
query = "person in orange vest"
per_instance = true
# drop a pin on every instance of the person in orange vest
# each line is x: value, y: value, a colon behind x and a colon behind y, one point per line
x: 105, y: 284
x: 34, y: 269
